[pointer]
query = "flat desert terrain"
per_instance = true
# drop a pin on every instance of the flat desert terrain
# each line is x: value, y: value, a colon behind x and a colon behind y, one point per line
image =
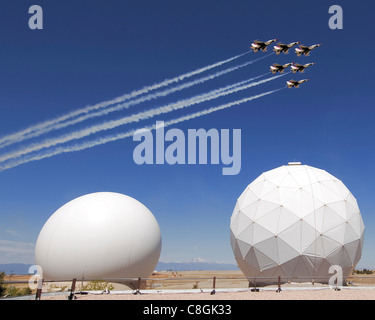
x: 229, y: 285
x: 326, y: 294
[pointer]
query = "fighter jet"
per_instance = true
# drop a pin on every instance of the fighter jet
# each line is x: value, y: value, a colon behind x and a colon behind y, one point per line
x: 278, y: 67
x: 284, y: 47
x: 259, y: 45
x: 305, y: 50
x: 293, y: 83
x: 300, y: 67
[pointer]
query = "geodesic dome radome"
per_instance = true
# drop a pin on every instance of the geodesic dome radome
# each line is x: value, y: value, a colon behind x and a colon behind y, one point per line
x: 295, y: 222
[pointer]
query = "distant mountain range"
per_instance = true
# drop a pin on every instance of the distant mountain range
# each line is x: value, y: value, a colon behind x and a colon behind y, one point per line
x: 15, y: 268
x: 195, y: 266
x: 21, y: 268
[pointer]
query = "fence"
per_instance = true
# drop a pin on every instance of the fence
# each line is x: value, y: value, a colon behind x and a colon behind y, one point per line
x: 209, y: 284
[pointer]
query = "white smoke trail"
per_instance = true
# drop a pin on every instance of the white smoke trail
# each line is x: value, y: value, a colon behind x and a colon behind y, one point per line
x: 119, y: 107
x: 111, y: 138
x: 44, y: 127
x: 242, y: 85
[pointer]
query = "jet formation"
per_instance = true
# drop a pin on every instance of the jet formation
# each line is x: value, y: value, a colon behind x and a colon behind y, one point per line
x: 281, y: 47
x: 284, y: 47
x: 294, y: 67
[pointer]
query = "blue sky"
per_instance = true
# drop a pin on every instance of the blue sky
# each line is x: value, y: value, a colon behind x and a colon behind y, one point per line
x: 93, y: 51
